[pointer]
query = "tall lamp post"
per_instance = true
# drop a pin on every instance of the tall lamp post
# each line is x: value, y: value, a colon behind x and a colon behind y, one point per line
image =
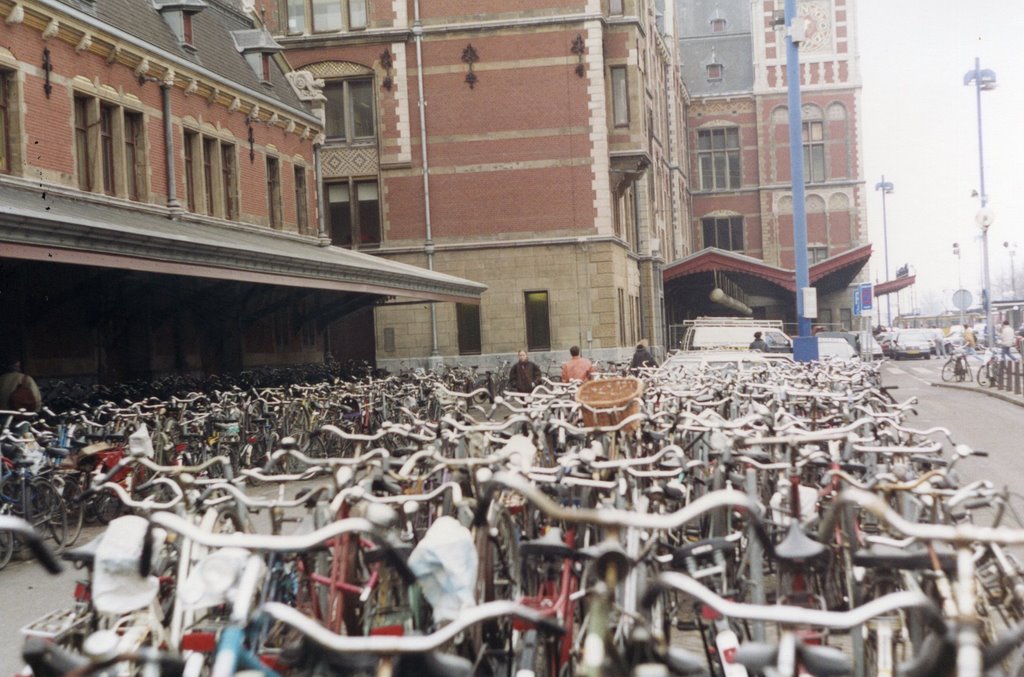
x: 959, y: 280
x: 983, y: 80
x: 886, y: 187
x: 1011, y: 249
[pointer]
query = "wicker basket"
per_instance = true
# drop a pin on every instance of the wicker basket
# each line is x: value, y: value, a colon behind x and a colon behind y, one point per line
x: 607, y: 401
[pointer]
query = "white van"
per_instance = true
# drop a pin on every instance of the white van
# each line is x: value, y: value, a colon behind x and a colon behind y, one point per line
x: 734, y: 333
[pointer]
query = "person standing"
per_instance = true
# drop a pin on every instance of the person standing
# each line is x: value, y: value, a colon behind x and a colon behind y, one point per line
x: 1007, y: 340
x: 525, y: 375
x: 642, y: 357
x: 758, y: 343
x: 577, y: 368
x: 17, y: 389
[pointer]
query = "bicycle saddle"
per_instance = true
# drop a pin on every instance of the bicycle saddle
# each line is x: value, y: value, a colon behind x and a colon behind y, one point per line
x: 798, y: 548
x: 914, y: 557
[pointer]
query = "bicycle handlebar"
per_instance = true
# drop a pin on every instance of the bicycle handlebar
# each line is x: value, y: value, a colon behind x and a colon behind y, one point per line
x: 409, y: 644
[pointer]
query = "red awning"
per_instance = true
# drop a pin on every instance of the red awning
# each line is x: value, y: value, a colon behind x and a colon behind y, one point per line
x: 893, y: 286
x: 719, y: 260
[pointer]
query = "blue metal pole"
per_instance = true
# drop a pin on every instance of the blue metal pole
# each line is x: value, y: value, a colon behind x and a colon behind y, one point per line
x: 796, y: 161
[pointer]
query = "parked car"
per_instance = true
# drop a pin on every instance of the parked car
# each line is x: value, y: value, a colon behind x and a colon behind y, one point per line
x: 885, y: 339
x: 911, y: 343
x: 836, y: 348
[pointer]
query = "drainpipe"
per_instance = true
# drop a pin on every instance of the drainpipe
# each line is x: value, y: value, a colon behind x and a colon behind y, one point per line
x: 172, y: 189
x: 318, y: 178
x: 428, y: 245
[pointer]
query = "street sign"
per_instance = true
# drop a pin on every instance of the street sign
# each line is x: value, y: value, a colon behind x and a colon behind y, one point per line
x: 962, y: 299
x: 857, y: 310
x: 867, y: 297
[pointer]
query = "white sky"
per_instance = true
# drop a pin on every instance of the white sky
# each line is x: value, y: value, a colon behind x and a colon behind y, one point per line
x: 919, y: 129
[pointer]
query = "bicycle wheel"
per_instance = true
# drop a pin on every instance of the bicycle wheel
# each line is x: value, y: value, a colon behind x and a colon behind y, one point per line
x: 70, y: 489
x: 949, y: 371
x: 6, y: 539
x: 985, y: 375
x: 46, y: 512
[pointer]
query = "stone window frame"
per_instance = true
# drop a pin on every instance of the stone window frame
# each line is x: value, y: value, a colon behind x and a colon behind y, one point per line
x: 210, y: 188
x: 533, y: 331
x: 469, y: 328
x: 618, y: 78
x: 11, y: 161
x: 275, y: 211
x: 110, y: 156
x: 812, y: 136
x: 710, y: 176
x: 352, y: 183
x: 731, y: 222
x: 347, y: 135
x: 301, y: 186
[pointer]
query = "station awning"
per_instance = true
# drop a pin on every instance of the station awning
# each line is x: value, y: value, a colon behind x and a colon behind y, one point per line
x: 893, y: 286
x: 831, y: 274
x: 58, y: 228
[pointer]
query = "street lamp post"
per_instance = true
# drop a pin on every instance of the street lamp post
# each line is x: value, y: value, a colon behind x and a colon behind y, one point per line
x: 1011, y: 249
x: 886, y: 187
x: 983, y: 80
x: 959, y: 280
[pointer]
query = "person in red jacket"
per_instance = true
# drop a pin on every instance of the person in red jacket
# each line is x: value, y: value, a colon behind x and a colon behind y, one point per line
x: 577, y: 368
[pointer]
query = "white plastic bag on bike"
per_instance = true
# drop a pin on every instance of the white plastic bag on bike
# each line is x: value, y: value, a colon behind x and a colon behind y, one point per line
x: 117, y: 586
x: 445, y: 564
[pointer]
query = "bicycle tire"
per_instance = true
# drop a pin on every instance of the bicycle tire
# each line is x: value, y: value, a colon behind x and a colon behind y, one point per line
x: 70, y: 490
x: 6, y: 539
x: 949, y: 371
x: 47, y: 512
x: 984, y: 378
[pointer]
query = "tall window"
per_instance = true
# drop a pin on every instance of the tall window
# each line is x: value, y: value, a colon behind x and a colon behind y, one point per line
x: 622, y: 318
x: 538, y: 331
x: 620, y: 97
x: 301, y: 200
x: 209, y: 154
x: 107, y: 148
x: 846, y: 318
x: 6, y: 106
x: 110, y: 148
x: 718, y: 25
x: 83, y: 159
x: 274, y: 192
x: 724, y: 232
x: 349, y: 110
x: 468, y: 320
x: 134, y: 150
x: 354, y: 222
x: 718, y: 158
x: 714, y: 72
x: 322, y: 16
x: 229, y: 178
x: 814, y: 151
x: 189, y: 146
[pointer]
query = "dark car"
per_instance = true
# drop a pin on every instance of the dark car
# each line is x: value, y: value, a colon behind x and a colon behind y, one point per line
x: 912, y: 343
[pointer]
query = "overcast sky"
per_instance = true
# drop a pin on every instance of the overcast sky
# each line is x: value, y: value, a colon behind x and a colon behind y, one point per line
x: 919, y: 129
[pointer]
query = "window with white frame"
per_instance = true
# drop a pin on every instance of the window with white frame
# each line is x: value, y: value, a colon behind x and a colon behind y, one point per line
x: 349, y: 110
x: 814, y: 151
x: 325, y: 16
x: 718, y: 158
x: 620, y: 97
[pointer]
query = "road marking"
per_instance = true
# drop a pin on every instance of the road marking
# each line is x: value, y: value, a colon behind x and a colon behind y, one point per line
x: 923, y: 370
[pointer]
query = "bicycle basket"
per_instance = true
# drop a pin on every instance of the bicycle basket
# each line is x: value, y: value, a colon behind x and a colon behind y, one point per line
x: 607, y: 402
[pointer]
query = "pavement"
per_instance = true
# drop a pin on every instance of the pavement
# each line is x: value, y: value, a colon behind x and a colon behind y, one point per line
x: 990, y: 391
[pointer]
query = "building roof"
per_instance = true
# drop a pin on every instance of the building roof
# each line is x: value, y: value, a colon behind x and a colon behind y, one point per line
x: 893, y: 286
x: 833, y: 273
x: 59, y: 228
x: 212, y: 29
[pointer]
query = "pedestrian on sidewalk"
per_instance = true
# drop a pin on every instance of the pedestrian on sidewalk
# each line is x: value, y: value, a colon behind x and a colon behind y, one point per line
x: 525, y: 375
x: 1007, y: 339
x: 577, y: 368
x: 970, y: 342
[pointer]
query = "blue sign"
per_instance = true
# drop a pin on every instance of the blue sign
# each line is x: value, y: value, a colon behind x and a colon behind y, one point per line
x: 867, y: 293
x: 856, y: 303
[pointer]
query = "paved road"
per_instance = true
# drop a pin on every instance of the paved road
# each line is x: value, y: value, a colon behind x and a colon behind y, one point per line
x: 983, y: 422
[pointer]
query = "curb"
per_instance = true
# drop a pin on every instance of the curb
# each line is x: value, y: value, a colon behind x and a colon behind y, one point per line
x: 990, y: 392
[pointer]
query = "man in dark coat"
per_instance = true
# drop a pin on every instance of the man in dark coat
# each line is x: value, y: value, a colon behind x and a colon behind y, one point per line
x: 642, y: 357
x: 525, y: 375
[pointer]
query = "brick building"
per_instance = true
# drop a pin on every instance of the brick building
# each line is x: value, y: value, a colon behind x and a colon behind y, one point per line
x: 157, y: 202
x: 734, y: 67
x: 533, y: 147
